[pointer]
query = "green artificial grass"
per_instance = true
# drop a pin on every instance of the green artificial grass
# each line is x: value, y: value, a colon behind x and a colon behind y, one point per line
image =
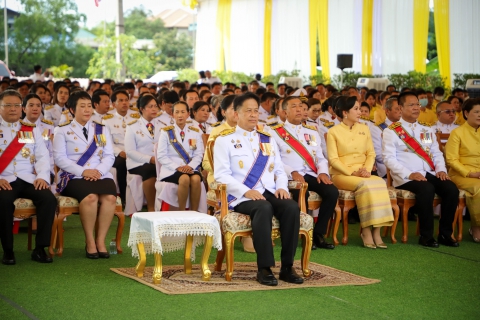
x: 416, y: 283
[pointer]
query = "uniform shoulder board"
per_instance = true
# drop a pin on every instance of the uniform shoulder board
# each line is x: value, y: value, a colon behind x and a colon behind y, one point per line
x: 394, y: 125
x: 309, y: 127
x: 323, y: 119
x: 367, y: 119
x: 276, y: 125
x: 426, y: 124
x: 260, y: 120
x: 271, y: 116
x: 226, y: 132
x: 47, y: 122
x: 132, y: 122
x: 64, y: 124
x: 264, y: 133
x: 108, y: 116
x: 48, y: 107
x: 194, y: 129
x: 216, y: 124
x: 135, y: 115
x: 65, y: 112
x: 33, y: 125
x: 329, y: 124
x: 272, y: 124
x: 134, y: 109
x: 188, y: 121
x: 98, y: 123
x: 168, y: 128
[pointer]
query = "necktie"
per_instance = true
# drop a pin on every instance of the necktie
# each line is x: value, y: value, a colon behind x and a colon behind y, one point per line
x: 201, y: 127
x: 182, y: 135
x: 85, y: 133
x: 333, y: 117
x: 151, y: 129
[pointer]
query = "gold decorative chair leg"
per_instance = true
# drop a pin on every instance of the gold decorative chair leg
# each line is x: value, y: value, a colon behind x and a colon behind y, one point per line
x: 142, y: 260
x: 187, y: 262
x: 157, y: 270
x: 229, y: 239
x: 206, y: 273
x: 306, y: 249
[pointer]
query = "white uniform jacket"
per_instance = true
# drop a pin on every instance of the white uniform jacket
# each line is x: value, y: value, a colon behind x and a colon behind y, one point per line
x: 234, y: 154
x: 139, y: 144
x: 196, y: 124
x: 376, y: 133
x: 33, y: 157
x: 402, y: 161
x: 46, y: 128
x: 169, y: 157
x: 117, y: 125
x: 54, y: 113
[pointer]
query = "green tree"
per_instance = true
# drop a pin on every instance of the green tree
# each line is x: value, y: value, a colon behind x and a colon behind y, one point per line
x: 136, y: 62
x: 43, y: 34
x: 172, y: 51
x: 432, y: 40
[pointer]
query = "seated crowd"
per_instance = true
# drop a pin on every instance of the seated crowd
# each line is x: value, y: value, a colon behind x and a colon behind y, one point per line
x: 59, y: 134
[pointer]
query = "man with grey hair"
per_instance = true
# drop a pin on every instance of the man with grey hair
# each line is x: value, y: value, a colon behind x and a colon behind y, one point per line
x: 24, y: 173
x: 392, y: 111
x: 446, y: 118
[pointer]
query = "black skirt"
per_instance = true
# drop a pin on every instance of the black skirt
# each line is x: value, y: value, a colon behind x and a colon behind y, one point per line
x: 176, y: 176
x: 80, y: 188
x: 147, y: 171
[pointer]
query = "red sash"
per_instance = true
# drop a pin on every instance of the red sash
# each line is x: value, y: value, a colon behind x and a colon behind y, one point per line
x: 298, y: 147
x: 413, y: 144
x: 12, y: 150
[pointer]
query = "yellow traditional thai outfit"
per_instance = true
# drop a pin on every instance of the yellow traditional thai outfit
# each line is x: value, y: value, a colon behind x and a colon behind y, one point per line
x: 427, y: 116
x: 206, y: 165
x: 459, y: 119
x: 380, y: 116
x: 463, y: 156
x: 350, y: 149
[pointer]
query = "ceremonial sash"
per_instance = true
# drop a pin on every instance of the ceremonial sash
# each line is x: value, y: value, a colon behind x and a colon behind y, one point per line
x: 12, y: 149
x: 298, y: 147
x: 257, y: 169
x: 179, y: 148
x: 413, y: 144
x: 67, y: 176
x: 383, y: 126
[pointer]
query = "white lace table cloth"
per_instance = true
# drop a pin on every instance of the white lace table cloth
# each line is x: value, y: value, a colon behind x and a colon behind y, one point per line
x: 166, y: 231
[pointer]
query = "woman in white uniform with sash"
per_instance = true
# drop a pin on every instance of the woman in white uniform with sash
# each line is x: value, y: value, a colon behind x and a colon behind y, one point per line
x: 199, y: 114
x: 180, y: 151
x: 83, y: 150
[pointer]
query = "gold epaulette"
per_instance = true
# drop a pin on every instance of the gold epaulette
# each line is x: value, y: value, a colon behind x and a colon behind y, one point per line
x: 367, y: 119
x: 132, y: 122
x: 216, y: 124
x: 309, y: 127
x: 47, y: 122
x: 323, y: 119
x: 135, y: 115
x: 108, y: 116
x: 168, y: 128
x: 65, y: 112
x: 98, y: 123
x: 271, y: 116
x: 189, y: 121
x: 159, y: 114
x: 28, y: 124
x: 65, y: 124
x: 329, y: 124
x: 134, y: 109
x: 48, y: 107
x: 226, y: 132
x: 194, y: 129
x: 276, y: 126
x: 426, y: 124
x: 272, y: 124
x: 394, y: 125
x: 264, y: 133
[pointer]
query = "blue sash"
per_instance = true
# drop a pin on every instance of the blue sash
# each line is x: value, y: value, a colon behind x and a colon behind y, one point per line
x: 67, y: 176
x: 179, y: 148
x: 257, y: 169
x: 383, y: 126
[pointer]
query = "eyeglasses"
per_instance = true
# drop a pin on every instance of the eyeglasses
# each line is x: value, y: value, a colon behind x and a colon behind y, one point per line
x: 448, y: 111
x: 10, y: 106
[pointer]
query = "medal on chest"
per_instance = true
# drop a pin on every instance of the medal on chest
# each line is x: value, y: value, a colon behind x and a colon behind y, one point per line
x: 192, y: 144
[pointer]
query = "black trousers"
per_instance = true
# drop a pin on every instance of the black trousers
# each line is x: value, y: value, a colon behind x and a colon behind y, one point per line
x: 121, y: 165
x: 261, y: 213
x: 424, y: 194
x: 44, y: 201
x: 329, y: 194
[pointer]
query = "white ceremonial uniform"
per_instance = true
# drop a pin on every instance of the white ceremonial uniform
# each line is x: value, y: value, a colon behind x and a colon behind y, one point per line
x: 402, y: 161
x: 165, y: 119
x: 292, y: 161
x: 376, y: 134
x: 196, y: 124
x: 33, y: 155
x: 117, y: 125
x: 67, y: 116
x: 312, y: 123
x: 97, y: 117
x: 69, y: 144
x: 234, y: 154
x: 169, y: 157
x: 263, y: 115
x: 272, y: 119
x: 323, y: 127
x: 211, y: 119
x: 444, y: 128
x: 139, y: 144
x: 326, y: 116
x: 46, y: 128
x: 54, y: 113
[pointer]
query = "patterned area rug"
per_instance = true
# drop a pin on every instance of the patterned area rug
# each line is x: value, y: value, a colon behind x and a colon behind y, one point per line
x: 175, y: 281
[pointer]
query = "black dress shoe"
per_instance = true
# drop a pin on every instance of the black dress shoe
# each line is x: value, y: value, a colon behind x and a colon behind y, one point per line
x: 91, y: 255
x: 266, y: 277
x: 103, y: 255
x: 320, y: 242
x: 447, y: 241
x: 39, y: 255
x: 290, y: 275
x: 314, y: 247
x: 427, y: 242
x: 8, y: 258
